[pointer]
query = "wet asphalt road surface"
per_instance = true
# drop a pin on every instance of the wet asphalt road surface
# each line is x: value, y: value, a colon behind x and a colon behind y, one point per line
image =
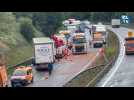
x: 63, y: 71
x: 121, y: 75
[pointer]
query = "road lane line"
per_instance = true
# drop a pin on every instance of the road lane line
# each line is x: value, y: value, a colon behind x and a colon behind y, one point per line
x: 118, y: 62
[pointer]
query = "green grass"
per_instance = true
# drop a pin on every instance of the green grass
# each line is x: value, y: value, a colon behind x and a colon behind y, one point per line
x: 18, y: 55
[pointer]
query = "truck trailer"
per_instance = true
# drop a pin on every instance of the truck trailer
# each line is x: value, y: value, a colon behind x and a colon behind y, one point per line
x: 115, y: 23
x: 44, y: 53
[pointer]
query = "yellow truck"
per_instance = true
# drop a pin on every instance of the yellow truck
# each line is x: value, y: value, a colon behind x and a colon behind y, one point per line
x: 129, y: 44
x: 79, y: 43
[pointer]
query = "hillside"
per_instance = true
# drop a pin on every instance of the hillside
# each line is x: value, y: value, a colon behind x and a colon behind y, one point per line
x: 13, y: 42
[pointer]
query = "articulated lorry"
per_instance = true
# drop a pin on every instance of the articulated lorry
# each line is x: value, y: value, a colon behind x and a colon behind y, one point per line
x: 44, y: 52
x: 79, y: 43
x: 129, y: 44
x: 115, y: 23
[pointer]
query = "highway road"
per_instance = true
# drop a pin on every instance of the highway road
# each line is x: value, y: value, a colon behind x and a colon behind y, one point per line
x: 122, y: 73
x: 64, y: 70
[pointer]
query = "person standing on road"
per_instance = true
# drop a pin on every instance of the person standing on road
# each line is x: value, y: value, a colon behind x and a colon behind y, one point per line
x: 50, y: 68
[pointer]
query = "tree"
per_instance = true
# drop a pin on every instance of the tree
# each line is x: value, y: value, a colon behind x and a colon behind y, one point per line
x: 47, y: 22
x: 26, y: 28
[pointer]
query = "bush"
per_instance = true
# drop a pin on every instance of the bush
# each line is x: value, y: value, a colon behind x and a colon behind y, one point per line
x: 27, y: 28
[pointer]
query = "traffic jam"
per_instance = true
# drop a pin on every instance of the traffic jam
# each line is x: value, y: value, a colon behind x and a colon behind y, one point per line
x: 77, y: 38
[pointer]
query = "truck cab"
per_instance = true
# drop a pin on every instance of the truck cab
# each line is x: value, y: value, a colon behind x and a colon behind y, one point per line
x: 79, y: 43
x: 3, y: 72
x: 102, y: 30
x: 22, y: 76
x: 97, y: 40
x: 129, y: 44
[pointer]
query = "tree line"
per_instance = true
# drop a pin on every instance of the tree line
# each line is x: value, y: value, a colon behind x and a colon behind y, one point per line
x: 48, y: 22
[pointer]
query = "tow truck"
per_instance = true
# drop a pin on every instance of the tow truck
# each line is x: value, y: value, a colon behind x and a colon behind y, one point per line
x: 22, y: 76
x: 129, y: 44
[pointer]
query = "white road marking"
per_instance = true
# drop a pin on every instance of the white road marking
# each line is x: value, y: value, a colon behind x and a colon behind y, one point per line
x: 118, y: 62
x: 86, y: 66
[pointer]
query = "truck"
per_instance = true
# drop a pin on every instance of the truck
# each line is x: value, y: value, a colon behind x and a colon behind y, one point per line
x: 129, y: 44
x: 44, y: 53
x: 3, y: 72
x: 97, y: 40
x: 79, y: 44
x: 115, y: 23
x: 101, y: 29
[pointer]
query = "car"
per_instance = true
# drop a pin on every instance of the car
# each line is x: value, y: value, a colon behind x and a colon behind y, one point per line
x: 22, y: 76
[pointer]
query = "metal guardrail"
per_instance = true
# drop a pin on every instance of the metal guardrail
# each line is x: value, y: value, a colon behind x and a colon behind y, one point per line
x: 26, y: 62
x: 92, y: 82
x: 104, y: 71
x: 106, y: 68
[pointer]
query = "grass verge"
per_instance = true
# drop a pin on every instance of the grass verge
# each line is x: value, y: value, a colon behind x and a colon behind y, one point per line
x: 17, y: 55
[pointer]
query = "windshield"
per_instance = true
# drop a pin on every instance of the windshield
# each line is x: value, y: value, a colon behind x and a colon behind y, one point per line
x: 80, y: 40
x: 130, y: 45
x: 19, y: 73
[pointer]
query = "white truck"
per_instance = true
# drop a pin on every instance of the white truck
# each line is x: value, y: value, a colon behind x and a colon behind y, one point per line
x: 44, y: 53
x: 115, y: 23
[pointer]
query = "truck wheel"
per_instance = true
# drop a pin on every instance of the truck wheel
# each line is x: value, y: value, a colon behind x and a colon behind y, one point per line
x: 126, y: 53
x: 94, y: 46
x: 32, y: 80
x: 12, y: 85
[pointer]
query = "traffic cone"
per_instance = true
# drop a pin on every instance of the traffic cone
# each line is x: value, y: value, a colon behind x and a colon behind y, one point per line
x: 47, y: 75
